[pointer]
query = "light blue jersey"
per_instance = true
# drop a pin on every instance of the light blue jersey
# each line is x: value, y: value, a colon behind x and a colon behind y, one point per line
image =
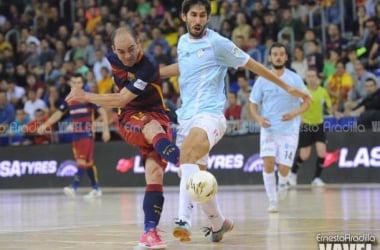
x: 203, y: 64
x: 276, y: 102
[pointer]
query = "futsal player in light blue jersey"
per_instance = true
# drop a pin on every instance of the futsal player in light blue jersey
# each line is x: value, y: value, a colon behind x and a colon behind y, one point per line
x: 280, y: 121
x: 203, y: 59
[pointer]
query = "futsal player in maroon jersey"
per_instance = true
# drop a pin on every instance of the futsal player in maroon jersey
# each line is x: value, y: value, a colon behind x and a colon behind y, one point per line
x: 82, y: 118
x: 143, y: 121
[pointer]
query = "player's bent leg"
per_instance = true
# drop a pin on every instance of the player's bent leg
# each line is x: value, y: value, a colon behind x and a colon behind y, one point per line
x: 182, y: 226
x: 193, y: 148
x: 156, y: 135
x: 152, y: 205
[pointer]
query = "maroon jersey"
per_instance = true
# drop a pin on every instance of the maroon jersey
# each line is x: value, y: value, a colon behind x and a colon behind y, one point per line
x: 82, y: 118
x: 142, y: 79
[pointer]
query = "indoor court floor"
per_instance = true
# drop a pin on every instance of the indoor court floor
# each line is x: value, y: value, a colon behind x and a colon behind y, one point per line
x: 45, y: 219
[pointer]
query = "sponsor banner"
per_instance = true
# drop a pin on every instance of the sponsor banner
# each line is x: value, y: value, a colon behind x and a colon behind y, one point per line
x: 351, y: 158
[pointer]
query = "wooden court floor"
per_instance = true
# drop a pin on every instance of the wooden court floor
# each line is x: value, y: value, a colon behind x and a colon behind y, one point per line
x: 45, y: 219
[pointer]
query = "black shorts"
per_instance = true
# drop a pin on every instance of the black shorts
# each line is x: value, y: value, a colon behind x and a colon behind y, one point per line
x: 309, y: 134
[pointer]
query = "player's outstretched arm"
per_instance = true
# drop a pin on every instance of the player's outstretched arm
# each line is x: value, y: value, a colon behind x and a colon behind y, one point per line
x: 169, y: 71
x: 114, y: 100
x: 259, y: 69
x: 56, y: 116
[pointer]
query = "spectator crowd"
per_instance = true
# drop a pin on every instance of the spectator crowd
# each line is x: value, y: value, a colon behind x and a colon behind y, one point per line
x: 43, y: 42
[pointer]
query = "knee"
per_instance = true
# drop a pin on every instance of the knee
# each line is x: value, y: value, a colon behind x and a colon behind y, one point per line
x: 284, y: 170
x: 151, y: 129
x: 304, y: 154
x: 83, y: 163
x: 157, y: 175
x: 269, y: 163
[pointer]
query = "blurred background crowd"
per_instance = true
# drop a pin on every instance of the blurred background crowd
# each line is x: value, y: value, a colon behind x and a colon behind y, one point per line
x: 43, y: 42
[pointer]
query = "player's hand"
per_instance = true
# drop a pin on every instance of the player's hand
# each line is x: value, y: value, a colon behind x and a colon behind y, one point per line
x: 179, y: 173
x: 76, y: 94
x: 263, y: 122
x: 287, y: 117
x: 42, y: 129
x: 339, y: 115
x: 70, y: 128
x: 106, y: 136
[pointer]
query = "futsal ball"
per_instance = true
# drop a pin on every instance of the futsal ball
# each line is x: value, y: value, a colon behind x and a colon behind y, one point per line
x: 201, y: 186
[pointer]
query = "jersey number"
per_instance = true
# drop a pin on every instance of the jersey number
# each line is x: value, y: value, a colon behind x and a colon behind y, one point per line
x: 288, y: 154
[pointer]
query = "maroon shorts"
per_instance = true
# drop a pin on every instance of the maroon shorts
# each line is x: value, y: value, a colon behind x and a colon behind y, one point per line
x: 83, y: 149
x: 130, y: 125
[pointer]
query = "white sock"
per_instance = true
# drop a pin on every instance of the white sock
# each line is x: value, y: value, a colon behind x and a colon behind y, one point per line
x: 282, y: 180
x: 270, y: 185
x: 185, y: 203
x: 214, y: 214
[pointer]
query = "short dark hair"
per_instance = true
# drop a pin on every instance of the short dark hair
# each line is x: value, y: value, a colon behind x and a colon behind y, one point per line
x: 315, y: 42
x: 187, y: 4
x: 340, y: 61
x: 277, y: 45
x: 370, y: 79
x: 314, y: 69
x: 79, y: 75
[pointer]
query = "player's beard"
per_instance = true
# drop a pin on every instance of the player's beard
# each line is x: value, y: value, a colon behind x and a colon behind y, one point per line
x: 199, y: 32
x: 278, y: 66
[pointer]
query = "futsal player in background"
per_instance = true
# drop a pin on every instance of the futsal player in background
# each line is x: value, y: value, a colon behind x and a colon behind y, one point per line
x: 280, y: 120
x: 82, y: 120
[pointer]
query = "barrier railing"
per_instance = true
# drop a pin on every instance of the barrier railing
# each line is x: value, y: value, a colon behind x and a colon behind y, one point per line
x: 13, y: 32
x: 323, y: 22
x: 287, y: 31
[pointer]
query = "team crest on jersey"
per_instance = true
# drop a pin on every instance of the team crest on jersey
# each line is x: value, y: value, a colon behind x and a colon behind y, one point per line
x: 201, y: 52
x: 236, y: 51
x: 131, y: 76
